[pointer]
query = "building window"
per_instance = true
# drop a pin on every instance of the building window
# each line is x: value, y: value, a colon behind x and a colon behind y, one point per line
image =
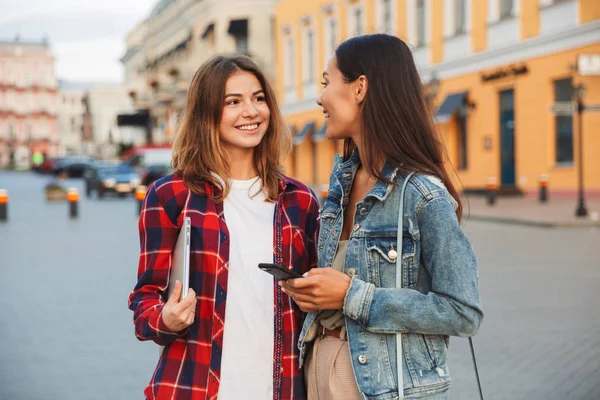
x: 356, y: 16
x: 506, y: 8
x: 460, y: 14
x: 308, y: 70
x: 289, y: 61
x: 330, y: 34
x: 461, y: 122
x: 385, y: 10
x: 358, y: 21
x: 420, y: 10
x: 387, y: 16
x: 563, y: 90
x: 238, y: 28
x: 241, y: 44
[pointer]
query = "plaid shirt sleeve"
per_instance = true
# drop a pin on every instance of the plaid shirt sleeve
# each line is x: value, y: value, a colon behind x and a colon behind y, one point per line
x: 158, y: 234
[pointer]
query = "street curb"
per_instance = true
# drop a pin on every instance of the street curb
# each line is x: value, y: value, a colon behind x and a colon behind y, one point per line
x: 533, y: 223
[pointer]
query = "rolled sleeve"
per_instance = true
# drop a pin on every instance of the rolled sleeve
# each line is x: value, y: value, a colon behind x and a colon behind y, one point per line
x: 358, y: 300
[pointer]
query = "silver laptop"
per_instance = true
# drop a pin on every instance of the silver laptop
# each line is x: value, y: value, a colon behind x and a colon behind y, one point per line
x: 180, y: 262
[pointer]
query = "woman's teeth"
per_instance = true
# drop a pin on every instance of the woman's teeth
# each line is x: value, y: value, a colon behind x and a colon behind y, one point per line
x: 248, y: 127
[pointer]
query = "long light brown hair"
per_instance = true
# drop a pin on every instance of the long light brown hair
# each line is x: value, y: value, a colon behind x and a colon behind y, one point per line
x: 397, y: 124
x: 197, y: 151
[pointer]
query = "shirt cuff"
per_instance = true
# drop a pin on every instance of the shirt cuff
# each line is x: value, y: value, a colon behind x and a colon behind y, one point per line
x: 357, y: 302
x: 164, y: 334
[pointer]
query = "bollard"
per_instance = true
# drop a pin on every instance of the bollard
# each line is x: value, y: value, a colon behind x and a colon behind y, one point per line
x: 140, y: 194
x: 491, y: 191
x: 543, y: 188
x: 324, y: 194
x: 3, y: 205
x: 73, y: 200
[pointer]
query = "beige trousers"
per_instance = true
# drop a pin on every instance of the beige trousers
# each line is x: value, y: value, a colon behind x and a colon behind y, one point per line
x: 328, y: 371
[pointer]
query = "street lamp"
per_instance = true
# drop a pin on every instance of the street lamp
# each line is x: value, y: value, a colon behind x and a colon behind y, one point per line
x: 433, y: 87
x: 579, y: 93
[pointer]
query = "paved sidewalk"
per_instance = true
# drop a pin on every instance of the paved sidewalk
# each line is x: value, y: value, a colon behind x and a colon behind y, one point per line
x: 559, y: 212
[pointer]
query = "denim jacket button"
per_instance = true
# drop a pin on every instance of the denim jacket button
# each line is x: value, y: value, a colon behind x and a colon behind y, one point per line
x: 363, y: 211
x: 362, y: 359
x: 392, y: 254
x: 351, y: 272
x: 356, y: 227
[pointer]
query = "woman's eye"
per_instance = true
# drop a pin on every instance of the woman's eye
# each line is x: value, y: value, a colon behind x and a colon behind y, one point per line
x: 232, y: 102
x: 260, y: 99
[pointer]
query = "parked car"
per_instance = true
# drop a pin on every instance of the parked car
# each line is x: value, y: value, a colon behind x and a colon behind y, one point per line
x: 154, y: 172
x: 72, y: 166
x: 111, y: 178
x: 48, y: 165
x: 151, y: 163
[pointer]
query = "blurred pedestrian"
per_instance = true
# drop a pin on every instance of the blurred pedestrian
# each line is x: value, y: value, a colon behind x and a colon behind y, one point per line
x: 373, y: 99
x: 234, y: 336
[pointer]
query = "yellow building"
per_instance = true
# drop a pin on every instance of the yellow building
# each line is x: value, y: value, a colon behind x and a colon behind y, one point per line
x: 500, y: 77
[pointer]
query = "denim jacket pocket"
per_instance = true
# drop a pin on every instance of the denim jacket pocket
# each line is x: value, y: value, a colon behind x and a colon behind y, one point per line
x: 327, y: 217
x: 427, y: 356
x: 382, y: 257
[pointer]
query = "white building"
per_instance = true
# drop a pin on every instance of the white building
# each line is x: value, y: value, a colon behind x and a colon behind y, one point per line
x: 104, y: 104
x: 70, y: 110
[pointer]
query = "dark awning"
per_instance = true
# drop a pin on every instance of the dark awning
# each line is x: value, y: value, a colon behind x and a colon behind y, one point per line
x: 320, y: 135
x: 140, y: 118
x: 208, y: 30
x: 238, y: 27
x: 451, y: 103
x: 306, y: 130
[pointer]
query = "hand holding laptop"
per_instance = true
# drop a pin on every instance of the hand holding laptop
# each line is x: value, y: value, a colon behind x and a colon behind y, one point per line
x: 179, y: 314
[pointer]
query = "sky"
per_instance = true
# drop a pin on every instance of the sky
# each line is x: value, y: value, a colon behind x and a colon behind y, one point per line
x: 86, y: 36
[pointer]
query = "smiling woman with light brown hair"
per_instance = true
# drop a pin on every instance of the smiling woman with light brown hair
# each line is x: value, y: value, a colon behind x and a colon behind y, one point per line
x: 236, y: 338
x: 202, y: 155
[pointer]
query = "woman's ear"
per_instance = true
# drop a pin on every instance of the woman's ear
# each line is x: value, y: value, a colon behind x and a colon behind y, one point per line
x: 362, y: 85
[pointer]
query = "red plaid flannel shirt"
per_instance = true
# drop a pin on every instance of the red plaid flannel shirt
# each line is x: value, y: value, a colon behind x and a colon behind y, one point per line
x: 189, y: 367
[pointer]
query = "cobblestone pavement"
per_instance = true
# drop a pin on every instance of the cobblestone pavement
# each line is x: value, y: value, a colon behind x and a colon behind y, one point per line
x: 66, y: 332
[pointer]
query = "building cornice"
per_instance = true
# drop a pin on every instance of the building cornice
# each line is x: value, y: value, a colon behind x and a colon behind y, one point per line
x: 555, y: 42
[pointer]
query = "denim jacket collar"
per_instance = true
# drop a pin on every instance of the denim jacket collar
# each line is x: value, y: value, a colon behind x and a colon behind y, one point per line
x: 347, y: 170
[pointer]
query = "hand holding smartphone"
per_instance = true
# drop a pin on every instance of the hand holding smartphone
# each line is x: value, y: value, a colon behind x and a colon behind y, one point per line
x: 279, y: 271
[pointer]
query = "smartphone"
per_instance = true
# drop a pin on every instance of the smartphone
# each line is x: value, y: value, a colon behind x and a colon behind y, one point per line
x: 279, y: 272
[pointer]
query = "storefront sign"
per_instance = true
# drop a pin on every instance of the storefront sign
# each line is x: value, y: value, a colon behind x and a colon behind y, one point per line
x: 588, y: 64
x: 511, y: 70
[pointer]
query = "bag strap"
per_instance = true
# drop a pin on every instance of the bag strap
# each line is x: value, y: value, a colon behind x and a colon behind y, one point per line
x: 476, y: 370
x: 399, y: 354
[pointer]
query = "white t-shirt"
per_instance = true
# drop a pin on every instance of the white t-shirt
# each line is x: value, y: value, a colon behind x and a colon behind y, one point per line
x: 247, y: 359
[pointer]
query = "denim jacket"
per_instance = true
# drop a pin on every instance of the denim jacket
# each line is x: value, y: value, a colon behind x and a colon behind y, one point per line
x: 439, y: 297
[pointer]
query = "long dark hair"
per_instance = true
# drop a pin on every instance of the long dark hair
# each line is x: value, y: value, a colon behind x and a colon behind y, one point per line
x: 396, y: 121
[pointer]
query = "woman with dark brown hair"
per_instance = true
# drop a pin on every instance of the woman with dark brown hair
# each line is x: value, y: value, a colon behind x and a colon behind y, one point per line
x: 396, y: 274
x: 234, y: 336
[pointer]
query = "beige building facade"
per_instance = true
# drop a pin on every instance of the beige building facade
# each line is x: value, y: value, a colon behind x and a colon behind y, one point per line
x: 165, y: 50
